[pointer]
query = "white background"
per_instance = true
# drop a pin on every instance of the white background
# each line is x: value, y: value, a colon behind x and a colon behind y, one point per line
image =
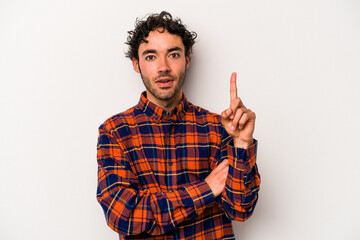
x: 63, y: 72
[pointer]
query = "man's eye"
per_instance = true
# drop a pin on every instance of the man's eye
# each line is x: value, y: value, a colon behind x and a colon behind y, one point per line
x: 150, y: 57
x: 175, y: 55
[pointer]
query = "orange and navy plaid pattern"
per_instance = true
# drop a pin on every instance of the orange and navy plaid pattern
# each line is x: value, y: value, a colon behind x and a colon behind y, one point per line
x: 152, y: 166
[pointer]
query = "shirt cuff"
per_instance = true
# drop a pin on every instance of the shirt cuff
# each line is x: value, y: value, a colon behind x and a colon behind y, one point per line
x: 201, y: 194
x: 242, y: 158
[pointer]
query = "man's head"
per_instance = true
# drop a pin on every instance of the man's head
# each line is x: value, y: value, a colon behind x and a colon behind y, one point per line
x: 160, y: 50
x: 164, y: 22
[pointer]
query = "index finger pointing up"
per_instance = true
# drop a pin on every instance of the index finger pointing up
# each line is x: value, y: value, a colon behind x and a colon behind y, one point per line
x: 233, y: 88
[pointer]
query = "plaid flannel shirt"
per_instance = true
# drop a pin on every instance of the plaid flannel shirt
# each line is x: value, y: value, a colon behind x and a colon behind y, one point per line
x: 152, y: 166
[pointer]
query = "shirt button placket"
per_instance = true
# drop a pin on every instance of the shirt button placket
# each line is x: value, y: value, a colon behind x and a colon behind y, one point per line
x: 171, y: 132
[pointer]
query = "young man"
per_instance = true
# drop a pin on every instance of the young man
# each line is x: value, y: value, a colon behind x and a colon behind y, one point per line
x: 167, y: 168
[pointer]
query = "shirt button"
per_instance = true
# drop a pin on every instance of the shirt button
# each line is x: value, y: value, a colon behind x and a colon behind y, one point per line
x: 171, y: 163
x: 170, y: 132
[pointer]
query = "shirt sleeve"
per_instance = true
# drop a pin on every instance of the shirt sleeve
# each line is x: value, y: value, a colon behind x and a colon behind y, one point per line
x: 243, y: 182
x: 131, y: 210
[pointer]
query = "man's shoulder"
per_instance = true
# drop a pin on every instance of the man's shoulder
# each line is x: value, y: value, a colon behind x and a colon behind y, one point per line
x: 119, y: 120
x: 207, y: 115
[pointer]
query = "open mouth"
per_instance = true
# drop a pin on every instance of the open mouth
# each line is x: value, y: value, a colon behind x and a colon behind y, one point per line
x: 164, y: 82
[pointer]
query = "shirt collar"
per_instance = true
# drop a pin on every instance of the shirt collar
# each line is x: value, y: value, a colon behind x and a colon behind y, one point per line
x: 157, y: 113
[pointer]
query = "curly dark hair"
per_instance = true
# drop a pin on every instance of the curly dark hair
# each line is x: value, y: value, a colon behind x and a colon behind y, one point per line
x: 163, y: 21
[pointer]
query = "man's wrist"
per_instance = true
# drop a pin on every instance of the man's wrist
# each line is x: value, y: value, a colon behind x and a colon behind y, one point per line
x: 243, y: 144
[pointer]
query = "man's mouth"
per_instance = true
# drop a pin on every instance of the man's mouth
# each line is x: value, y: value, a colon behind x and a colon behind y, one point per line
x: 164, y: 82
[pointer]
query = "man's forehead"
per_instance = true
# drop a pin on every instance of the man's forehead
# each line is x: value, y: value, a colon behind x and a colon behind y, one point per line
x: 162, y: 39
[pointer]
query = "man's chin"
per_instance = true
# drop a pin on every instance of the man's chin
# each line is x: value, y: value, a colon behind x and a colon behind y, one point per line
x: 165, y: 94
x: 165, y: 97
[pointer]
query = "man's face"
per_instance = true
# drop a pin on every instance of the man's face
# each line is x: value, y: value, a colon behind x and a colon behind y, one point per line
x: 162, y: 64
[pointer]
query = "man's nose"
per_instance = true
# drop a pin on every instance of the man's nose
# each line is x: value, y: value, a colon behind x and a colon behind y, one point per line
x: 163, y: 65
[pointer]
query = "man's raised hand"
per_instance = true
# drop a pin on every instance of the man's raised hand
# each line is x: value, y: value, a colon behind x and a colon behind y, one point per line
x: 238, y: 121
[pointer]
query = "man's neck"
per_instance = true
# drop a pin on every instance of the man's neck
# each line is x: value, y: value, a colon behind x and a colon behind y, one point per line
x: 167, y: 105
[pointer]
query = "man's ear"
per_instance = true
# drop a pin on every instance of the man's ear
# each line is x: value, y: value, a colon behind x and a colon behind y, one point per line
x: 135, y: 64
x: 187, y: 61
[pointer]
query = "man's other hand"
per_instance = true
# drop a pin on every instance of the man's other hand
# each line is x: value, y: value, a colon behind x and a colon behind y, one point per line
x: 238, y: 121
x: 217, y: 177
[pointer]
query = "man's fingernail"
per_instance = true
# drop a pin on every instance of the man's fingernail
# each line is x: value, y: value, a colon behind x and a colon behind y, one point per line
x: 232, y: 128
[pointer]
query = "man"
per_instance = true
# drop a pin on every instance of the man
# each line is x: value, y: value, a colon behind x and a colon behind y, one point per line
x: 167, y: 168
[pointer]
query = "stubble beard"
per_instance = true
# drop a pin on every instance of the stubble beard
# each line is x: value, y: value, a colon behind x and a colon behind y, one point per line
x: 156, y: 93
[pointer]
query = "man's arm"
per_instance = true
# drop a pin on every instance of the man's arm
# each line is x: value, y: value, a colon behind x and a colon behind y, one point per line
x: 242, y: 180
x: 236, y: 180
x: 129, y: 209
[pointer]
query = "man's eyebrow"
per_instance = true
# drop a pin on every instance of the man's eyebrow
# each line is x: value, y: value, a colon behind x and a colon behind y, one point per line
x: 175, y: 49
x: 148, y: 51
